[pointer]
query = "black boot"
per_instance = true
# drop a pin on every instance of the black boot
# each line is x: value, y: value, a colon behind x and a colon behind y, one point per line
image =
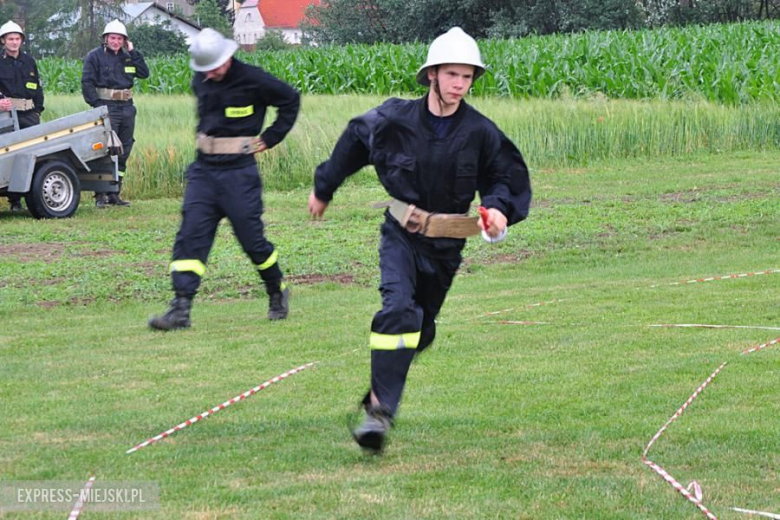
x: 279, y: 303
x: 372, y: 434
x: 115, y: 199
x: 177, y: 317
x: 101, y: 200
x: 16, y: 205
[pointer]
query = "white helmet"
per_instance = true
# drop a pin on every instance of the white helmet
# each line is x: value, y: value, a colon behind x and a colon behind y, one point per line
x: 209, y: 50
x: 115, y: 27
x: 11, y: 27
x: 454, y: 46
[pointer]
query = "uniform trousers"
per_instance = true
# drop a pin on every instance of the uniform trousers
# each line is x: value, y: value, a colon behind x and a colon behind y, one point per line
x: 413, y: 288
x: 213, y: 193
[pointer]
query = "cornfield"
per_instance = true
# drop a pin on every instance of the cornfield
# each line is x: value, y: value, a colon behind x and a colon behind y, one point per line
x: 730, y: 64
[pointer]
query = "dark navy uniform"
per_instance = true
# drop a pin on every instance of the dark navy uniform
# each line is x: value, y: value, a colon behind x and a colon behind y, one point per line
x: 229, y: 185
x: 104, y: 68
x: 437, y: 164
x: 19, y: 79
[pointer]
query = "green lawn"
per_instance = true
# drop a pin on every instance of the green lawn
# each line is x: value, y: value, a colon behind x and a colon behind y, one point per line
x: 499, y: 420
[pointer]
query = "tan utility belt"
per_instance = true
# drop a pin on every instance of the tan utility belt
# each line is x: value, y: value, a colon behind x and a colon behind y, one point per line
x: 22, y: 104
x: 434, y: 225
x: 110, y: 94
x: 226, y: 145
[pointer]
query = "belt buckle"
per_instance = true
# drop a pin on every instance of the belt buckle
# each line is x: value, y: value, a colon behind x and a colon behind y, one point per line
x: 413, y: 223
x: 246, y: 146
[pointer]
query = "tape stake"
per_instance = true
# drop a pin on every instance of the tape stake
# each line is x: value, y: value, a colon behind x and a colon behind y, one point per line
x: 216, y: 409
x: 696, y: 490
x: 83, y: 495
x: 661, y: 471
x: 679, y: 487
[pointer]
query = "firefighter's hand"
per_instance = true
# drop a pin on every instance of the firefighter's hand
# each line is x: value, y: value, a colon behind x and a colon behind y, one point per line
x: 316, y: 206
x: 495, y: 225
x: 5, y: 104
x: 259, y: 145
x: 129, y: 46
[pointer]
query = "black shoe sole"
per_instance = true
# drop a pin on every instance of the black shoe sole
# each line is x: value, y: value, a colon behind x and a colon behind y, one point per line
x: 153, y: 324
x: 372, y: 442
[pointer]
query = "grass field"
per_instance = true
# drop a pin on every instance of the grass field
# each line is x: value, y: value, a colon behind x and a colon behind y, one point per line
x: 500, y: 420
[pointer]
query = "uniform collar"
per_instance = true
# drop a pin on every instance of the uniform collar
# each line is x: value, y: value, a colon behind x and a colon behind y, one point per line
x: 423, y: 111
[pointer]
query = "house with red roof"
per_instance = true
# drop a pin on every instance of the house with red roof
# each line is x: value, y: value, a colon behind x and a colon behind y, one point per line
x: 255, y: 17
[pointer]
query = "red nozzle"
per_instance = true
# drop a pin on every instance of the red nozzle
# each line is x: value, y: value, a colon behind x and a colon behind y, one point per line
x: 483, y: 212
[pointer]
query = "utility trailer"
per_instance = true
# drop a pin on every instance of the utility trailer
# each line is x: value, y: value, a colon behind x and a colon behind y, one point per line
x: 52, y: 163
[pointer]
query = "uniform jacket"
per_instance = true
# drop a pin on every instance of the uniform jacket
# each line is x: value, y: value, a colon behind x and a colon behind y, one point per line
x: 104, y: 68
x: 19, y: 79
x: 437, y: 175
x: 236, y: 107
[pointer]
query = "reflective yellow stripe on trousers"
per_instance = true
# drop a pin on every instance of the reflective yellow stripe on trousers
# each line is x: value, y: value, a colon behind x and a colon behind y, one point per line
x: 394, y: 341
x: 268, y: 263
x: 194, y: 266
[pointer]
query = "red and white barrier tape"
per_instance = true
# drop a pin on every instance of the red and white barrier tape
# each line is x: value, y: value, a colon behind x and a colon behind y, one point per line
x: 83, y: 495
x: 661, y: 471
x: 493, y: 313
x: 765, y: 345
x: 696, y: 497
x: 218, y: 408
x: 513, y: 322
x: 726, y: 277
x: 759, y: 513
x: 699, y: 325
x: 696, y: 490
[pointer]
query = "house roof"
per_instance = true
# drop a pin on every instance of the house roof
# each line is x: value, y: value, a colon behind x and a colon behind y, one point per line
x: 133, y: 11
x: 286, y: 14
x: 136, y: 10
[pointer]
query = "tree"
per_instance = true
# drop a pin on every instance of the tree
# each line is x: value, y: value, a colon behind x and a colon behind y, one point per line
x: 158, y: 40
x: 208, y: 13
x: 369, y: 21
x: 31, y: 15
x: 272, y: 40
x: 92, y: 16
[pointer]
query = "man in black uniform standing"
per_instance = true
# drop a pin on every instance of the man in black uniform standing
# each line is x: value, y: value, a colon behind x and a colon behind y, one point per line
x: 107, y: 79
x: 431, y: 155
x: 224, y: 180
x: 20, y: 86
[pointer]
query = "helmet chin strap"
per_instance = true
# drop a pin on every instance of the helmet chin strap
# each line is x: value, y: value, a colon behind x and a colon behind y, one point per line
x: 437, y: 91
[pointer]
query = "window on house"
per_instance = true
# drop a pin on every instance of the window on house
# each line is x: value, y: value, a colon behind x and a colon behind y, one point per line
x: 248, y: 17
x: 170, y: 6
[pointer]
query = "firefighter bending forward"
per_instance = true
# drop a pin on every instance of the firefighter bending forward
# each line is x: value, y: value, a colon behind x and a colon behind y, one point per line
x: 431, y: 155
x: 224, y: 180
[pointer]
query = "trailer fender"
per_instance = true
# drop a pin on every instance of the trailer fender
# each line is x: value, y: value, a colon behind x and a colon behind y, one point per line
x: 22, y: 173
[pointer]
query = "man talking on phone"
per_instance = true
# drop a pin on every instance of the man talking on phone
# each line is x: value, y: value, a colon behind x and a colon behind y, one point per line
x: 107, y: 79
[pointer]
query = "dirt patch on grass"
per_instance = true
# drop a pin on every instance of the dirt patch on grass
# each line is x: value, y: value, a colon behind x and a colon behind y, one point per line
x: 98, y: 253
x: 47, y: 252
x: 35, y: 252
x: 505, y: 258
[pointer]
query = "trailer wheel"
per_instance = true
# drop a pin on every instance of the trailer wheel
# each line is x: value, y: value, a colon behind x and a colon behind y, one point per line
x: 55, y: 191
